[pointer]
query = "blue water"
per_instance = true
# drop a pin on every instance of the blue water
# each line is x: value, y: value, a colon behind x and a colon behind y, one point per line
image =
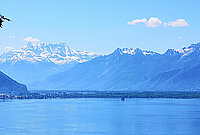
x: 100, y: 117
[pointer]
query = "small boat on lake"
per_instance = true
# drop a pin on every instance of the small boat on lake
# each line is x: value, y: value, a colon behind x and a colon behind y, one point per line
x: 122, y: 98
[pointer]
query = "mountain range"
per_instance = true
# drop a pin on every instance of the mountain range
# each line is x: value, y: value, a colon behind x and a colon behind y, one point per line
x: 36, y: 61
x: 131, y: 69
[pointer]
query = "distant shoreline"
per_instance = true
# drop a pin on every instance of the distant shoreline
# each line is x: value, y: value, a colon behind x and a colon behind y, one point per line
x: 104, y: 94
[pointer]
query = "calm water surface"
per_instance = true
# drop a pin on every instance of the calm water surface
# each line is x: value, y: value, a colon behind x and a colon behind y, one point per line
x: 100, y: 117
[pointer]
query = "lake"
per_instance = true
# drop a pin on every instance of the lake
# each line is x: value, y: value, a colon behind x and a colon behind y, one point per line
x: 100, y: 117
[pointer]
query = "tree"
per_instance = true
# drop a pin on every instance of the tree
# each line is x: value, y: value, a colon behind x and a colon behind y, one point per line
x: 2, y: 19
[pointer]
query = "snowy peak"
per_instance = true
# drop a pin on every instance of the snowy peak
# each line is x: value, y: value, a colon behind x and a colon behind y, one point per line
x: 131, y: 51
x: 194, y: 48
x: 134, y: 51
x: 172, y: 52
x: 59, y: 53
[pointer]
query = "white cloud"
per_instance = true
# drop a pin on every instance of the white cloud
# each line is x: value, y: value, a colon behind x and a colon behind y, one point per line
x: 152, y: 22
x: 12, y: 37
x: 31, y: 39
x: 8, y: 48
x: 177, y: 23
x: 179, y: 38
x: 134, y: 22
x: 155, y: 22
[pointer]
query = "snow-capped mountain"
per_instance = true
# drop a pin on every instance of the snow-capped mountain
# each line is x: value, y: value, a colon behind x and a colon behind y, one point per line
x: 43, y: 52
x: 184, y: 51
x: 132, y: 69
x: 37, y: 61
x: 134, y: 51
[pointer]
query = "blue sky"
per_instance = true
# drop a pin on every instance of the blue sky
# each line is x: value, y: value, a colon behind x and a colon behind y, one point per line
x: 102, y: 25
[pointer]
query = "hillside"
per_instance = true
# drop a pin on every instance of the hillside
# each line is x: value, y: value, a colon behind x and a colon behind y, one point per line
x: 8, y: 85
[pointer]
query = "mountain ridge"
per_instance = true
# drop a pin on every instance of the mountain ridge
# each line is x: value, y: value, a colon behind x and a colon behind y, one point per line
x: 124, y: 69
x: 36, y: 61
x: 58, y: 53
